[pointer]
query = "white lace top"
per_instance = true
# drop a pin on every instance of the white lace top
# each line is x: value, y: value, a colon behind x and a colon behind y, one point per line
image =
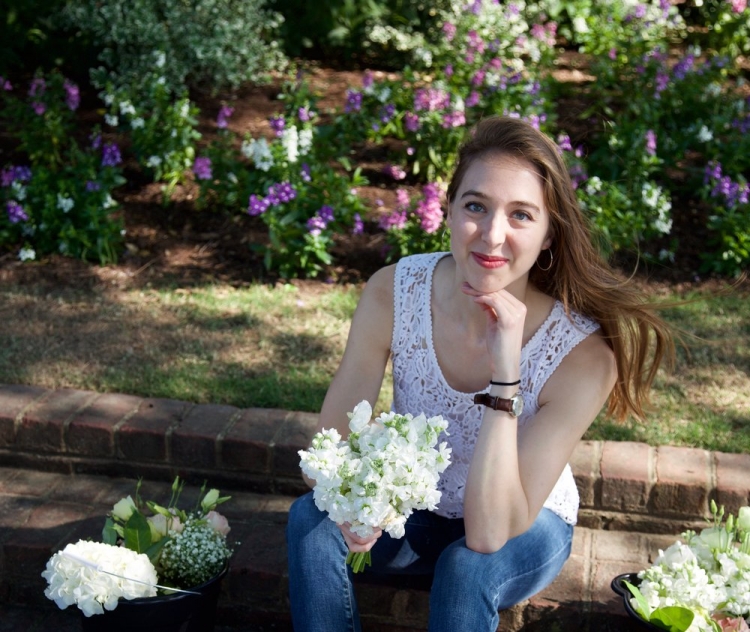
x: 419, y: 384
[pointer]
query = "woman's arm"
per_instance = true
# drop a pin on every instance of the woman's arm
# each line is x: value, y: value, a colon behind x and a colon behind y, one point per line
x: 360, y: 374
x: 511, y: 473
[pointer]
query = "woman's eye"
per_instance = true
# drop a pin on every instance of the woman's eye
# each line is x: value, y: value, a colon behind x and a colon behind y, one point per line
x: 474, y: 207
x: 521, y: 215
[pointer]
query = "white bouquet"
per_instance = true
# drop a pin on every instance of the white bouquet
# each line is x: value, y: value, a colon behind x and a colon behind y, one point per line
x: 380, y: 474
x: 702, y: 584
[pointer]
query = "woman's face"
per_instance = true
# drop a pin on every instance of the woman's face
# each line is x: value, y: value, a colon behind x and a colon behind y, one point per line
x: 499, y: 223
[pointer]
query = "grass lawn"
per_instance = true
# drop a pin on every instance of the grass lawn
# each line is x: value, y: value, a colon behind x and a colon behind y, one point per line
x: 279, y: 347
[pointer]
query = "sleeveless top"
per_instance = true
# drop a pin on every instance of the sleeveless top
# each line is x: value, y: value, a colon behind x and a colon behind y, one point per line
x: 420, y: 387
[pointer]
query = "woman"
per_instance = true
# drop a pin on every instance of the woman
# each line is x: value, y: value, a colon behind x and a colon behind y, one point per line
x: 517, y: 336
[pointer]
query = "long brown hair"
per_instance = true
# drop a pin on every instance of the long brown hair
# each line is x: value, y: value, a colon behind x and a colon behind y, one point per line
x: 579, y: 276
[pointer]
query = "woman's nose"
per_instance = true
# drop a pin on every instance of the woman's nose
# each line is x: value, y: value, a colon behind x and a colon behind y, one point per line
x: 495, y: 229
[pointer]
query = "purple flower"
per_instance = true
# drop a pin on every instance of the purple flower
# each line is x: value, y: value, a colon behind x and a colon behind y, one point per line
x: 431, y: 99
x: 96, y: 141
x: 448, y: 70
x: 256, y: 205
x: 713, y: 171
x: 394, y: 171
x: 305, y: 172
x: 316, y: 225
x: 359, y: 226
x: 37, y: 87
x: 429, y: 209
x: 326, y: 213
x: 662, y: 83
x: 72, y: 95
x: 453, y: 119
x: 280, y: 193
x: 111, y: 155
x: 277, y: 124
x: 15, y: 212
x: 472, y: 99
x: 12, y: 174
x: 367, y: 79
x: 402, y: 199
x: 478, y: 78
x: 651, y: 143
x: 353, y: 101
x: 223, y: 117
x: 92, y: 186
x: 5, y: 84
x: 395, y: 220
x: 612, y: 53
x: 38, y: 107
x: 449, y: 30
x: 202, y: 168
x: 387, y: 112
x: 305, y: 114
x: 563, y: 141
x: 411, y: 121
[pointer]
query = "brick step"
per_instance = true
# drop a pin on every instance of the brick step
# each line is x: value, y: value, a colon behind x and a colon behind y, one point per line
x: 43, y: 511
x: 623, y: 485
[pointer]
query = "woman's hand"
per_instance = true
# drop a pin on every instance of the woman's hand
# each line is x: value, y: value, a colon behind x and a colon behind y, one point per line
x: 505, y: 320
x: 356, y: 543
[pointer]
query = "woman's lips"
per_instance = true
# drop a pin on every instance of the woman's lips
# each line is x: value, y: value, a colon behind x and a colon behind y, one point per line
x: 488, y: 262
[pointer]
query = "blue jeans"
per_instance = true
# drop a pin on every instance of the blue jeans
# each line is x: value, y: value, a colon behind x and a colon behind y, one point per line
x: 468, y: 588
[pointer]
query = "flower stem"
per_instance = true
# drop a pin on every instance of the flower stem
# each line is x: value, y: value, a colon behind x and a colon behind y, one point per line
x: 358, y: 561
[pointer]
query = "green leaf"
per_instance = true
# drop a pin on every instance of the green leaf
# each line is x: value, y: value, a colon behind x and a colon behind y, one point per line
x: 672, y: 618
x: 109, y: 533
x: 137, y: 533
x: 641, y: 607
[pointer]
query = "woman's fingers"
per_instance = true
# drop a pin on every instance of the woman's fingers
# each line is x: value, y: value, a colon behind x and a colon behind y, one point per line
x: 357, y: 543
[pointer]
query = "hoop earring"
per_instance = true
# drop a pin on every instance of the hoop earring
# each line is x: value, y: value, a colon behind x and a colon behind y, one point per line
x: 551, y: 260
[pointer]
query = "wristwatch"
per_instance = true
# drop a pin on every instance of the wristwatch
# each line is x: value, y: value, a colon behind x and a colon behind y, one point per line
x: 514, y: 405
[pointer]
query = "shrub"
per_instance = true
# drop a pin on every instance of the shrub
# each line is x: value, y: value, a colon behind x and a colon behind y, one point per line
x: 210, y: 44
x: 60, y: 202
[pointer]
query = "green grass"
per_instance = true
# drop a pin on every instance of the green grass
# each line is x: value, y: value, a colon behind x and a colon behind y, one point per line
x: 279, y: 347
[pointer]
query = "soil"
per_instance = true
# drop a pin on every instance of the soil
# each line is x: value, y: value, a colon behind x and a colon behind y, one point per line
x: 178, y: 245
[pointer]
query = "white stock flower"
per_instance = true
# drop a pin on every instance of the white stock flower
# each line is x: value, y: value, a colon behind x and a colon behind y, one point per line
x: 64, y: 203
x: 27, y: 254
x: 360, y: 416
x: 111, y: 119
x: 137, y: 123
x: 259, y: 152
x: 289, y: 141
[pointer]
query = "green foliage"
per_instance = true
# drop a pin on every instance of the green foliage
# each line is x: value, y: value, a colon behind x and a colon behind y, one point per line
x: 382, y: 33
x: 720, y: 25
x: 210, y: 44
x: 302, y: 199
x: 161, y: 126
x: 61, y: 201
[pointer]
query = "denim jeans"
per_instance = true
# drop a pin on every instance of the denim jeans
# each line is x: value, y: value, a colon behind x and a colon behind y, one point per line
x: 468, y: 588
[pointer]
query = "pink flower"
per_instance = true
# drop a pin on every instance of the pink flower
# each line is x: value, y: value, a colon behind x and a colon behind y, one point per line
x: 218, y: 522
x: 731, y: 624
x: 738, y: 6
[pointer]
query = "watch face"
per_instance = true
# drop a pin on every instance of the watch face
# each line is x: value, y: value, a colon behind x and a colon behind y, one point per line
x: 516, y: 405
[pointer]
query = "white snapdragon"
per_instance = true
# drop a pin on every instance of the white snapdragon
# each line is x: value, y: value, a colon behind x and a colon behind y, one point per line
x: 381, y: 474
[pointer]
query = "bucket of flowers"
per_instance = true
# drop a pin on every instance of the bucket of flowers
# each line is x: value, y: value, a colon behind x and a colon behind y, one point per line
x: 156, y: 568
x: 701, y: 583
x: 380, y: 474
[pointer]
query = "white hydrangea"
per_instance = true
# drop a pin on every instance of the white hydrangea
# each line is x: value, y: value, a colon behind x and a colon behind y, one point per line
x: 94, y: 575
x: 382, y: 473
